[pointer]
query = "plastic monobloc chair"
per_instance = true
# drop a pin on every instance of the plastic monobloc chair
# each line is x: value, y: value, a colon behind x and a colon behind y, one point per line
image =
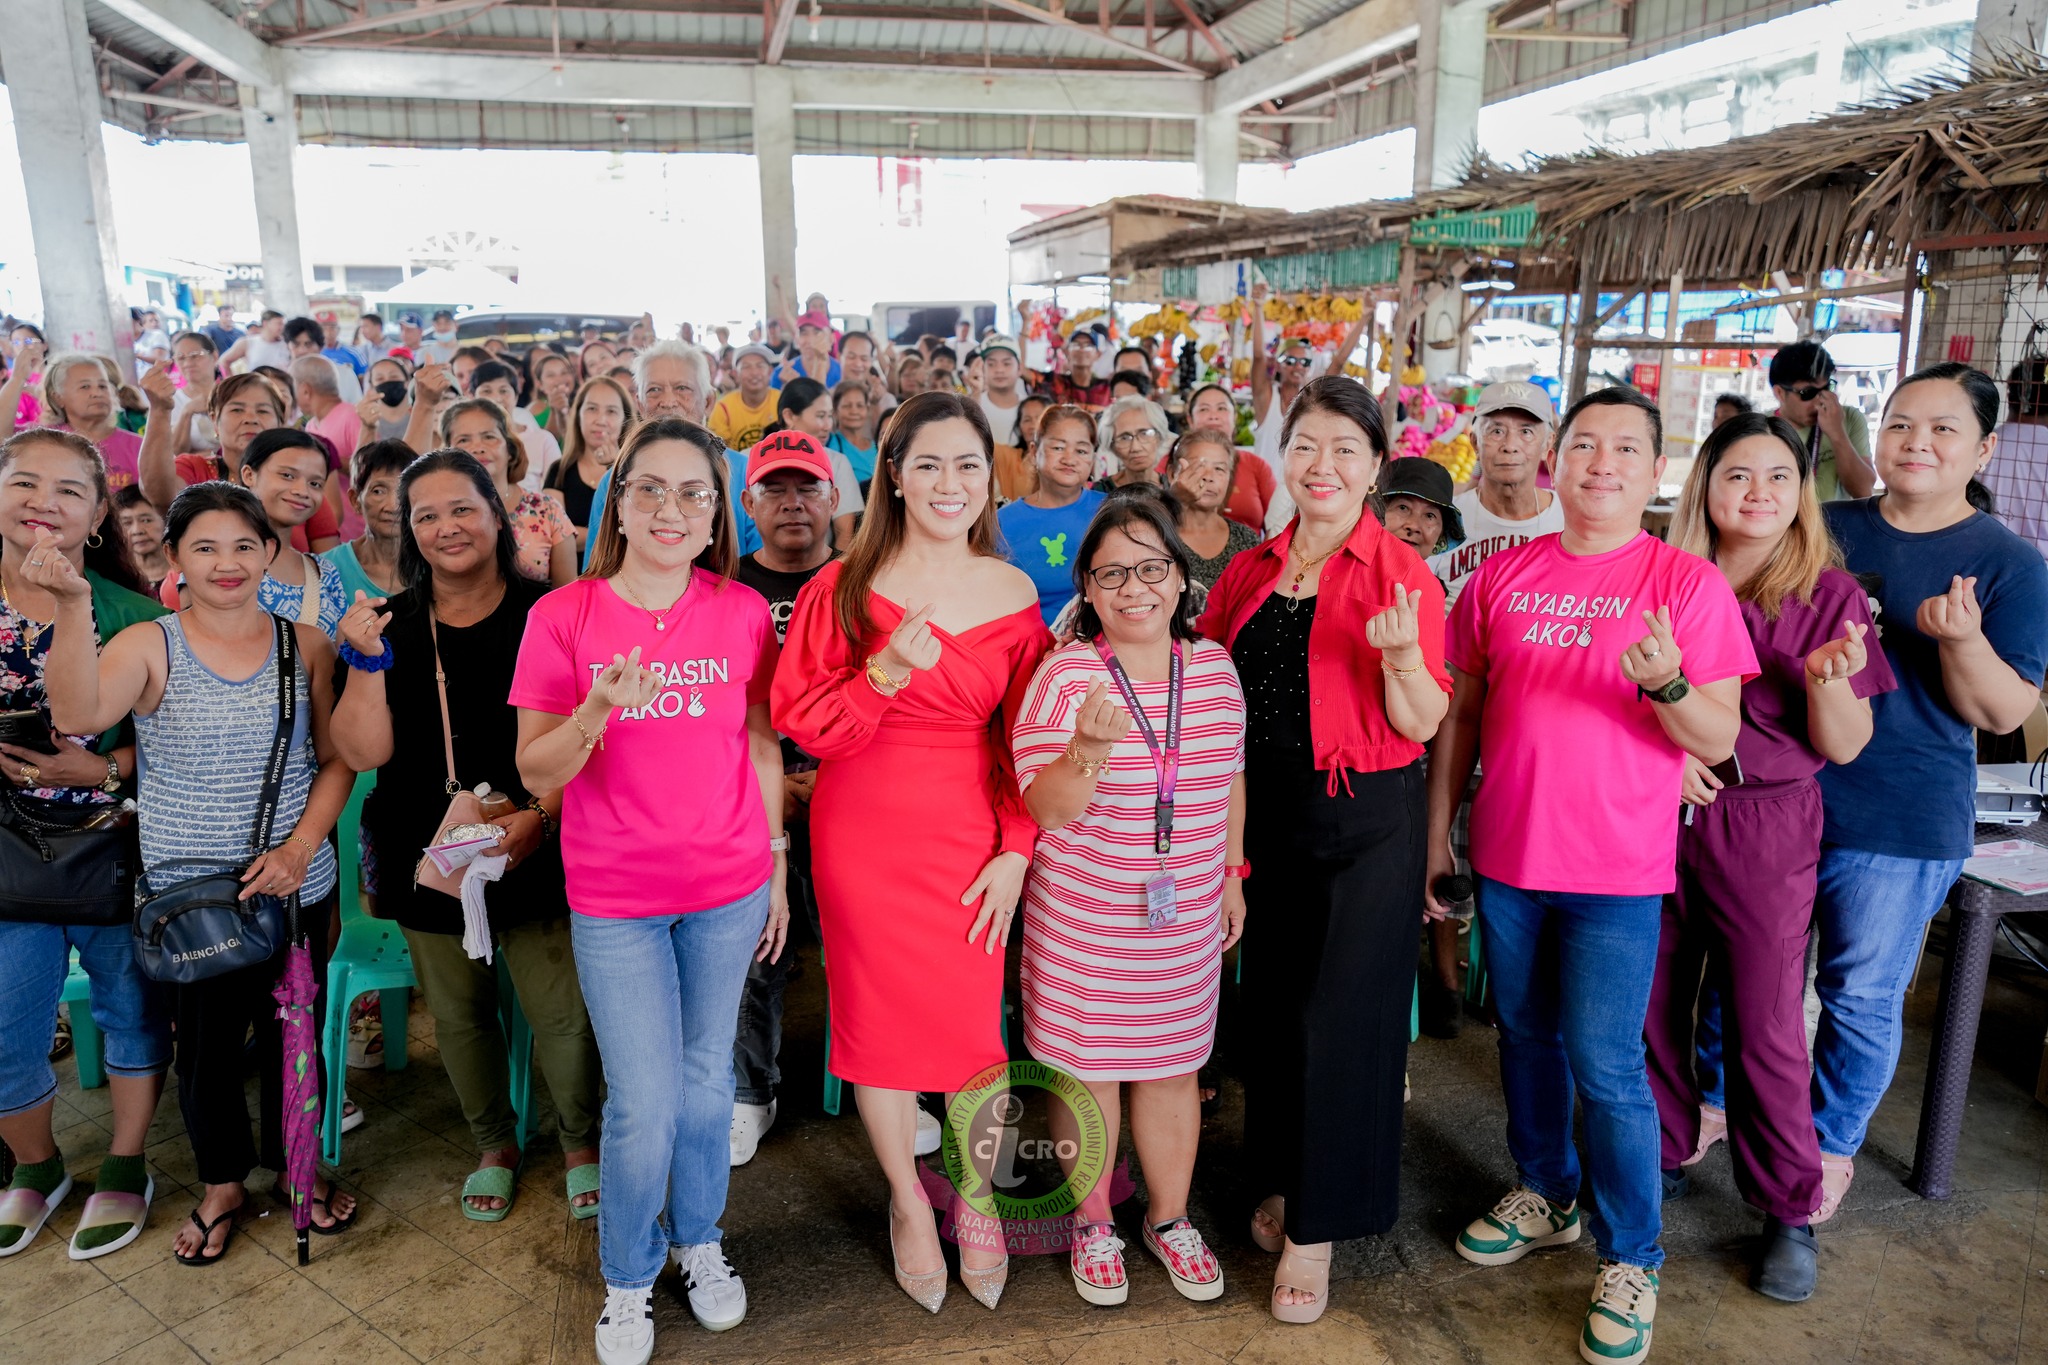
x: 86, y: 1043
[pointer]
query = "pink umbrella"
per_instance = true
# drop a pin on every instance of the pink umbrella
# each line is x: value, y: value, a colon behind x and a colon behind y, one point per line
x: 295, y: 993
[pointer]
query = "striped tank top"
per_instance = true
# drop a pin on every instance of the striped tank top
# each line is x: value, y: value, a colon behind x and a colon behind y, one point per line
x: 199, y: 764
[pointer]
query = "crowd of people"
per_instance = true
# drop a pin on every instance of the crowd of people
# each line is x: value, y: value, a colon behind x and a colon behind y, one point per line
x: 1173, y: 696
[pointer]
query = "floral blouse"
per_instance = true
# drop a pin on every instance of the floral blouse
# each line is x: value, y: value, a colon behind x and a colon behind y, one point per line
x: 539, y: 523
x: 24, y: 650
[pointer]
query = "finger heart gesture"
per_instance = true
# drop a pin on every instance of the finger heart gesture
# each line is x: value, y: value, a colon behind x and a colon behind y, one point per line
x: 50, y: 569
x: 1838, y: 659
x: 1953, y: 616
x: 624, y: 684
x: 1395, y: 630
x: 1653, y: 661
x: 1100, y: 722
x: 362, y: 625
x: 912, y: 645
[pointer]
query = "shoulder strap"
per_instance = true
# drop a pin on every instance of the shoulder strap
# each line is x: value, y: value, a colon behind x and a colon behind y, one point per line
x: 441, y: 691
x: 309, y: 596
x: 281, y: 744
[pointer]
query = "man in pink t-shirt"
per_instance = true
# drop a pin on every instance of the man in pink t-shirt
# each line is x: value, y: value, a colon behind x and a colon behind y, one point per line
x: 1589, y: 663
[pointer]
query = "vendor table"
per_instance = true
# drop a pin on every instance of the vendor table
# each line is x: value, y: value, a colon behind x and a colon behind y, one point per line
x: 1974, y: 912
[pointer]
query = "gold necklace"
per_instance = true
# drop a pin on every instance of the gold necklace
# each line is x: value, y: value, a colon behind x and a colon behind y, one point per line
x: 1294, y: 589
x: 660, y: 617
x: 31, y: 630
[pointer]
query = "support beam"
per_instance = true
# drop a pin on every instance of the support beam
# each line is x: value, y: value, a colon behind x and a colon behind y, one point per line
x: 388, y: 74
x: 1216, y: 157
x: 270, y: 121
x: 118, y: 92
x: 48, y: 53
x: 1350, y: 40
x: 198, y: 29
x: 1450, y: 71
x: 2003, y: 25
x: 774, y: 158
x: 1100, y: 35
x: 779, y: 17
x: 416, y: 15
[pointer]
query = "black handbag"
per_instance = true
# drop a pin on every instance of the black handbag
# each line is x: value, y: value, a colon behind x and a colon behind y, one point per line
x: 65, y: 863
x: 201, y: 927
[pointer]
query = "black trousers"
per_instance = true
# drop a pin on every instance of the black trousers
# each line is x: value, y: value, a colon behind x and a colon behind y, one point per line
x: 214, y: 1018
x: 1333, y: 904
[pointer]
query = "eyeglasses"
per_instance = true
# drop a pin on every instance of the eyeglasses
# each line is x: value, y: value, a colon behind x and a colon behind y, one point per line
x: 1295, y: 362
x: 1808, y: 392
x: 1125, y: 440
x: 809, y: 492
x: 1110, y: 577
x: 648, y: 497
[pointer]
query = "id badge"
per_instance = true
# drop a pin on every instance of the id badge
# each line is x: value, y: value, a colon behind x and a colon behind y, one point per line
x: 1160, y: 911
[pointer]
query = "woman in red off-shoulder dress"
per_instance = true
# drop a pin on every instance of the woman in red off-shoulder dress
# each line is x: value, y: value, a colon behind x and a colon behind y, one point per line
x: 902, y: 670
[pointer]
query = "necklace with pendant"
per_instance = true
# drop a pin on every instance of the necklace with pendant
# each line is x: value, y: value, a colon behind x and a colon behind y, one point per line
x: 660, y: 617
x: 31, y: 631
x: 1294, y: 589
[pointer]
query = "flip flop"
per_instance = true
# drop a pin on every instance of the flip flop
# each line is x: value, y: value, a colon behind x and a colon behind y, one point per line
x: 25, y: 1209
x: 490, y: 1182
x: 111, y: 1208
x: 334, y: 1229
x: 582, y: 1180
x: 206, y: 1235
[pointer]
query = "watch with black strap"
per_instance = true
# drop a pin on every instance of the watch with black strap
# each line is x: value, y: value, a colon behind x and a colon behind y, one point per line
x: 1670, y: 692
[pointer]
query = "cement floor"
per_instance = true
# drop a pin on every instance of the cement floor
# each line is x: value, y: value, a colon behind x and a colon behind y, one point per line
x: 1902, y: 1279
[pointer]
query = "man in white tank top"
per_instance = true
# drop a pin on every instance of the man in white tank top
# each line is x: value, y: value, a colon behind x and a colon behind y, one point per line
x: 1505, y: 508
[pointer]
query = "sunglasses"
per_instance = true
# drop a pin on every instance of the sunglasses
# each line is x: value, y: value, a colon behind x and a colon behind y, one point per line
x: 1806, y: 393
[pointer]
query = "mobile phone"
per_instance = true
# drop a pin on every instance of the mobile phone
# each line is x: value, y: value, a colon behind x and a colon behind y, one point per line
x: 26, y: 730
x: 391, y: 393
x: 1729, y: 771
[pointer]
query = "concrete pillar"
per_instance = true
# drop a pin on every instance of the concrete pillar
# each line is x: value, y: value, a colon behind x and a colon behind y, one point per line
x: 2006, y: 24
x: 270, y: 121
x: 1450, y: 70
x: 1216, y: 157
x: 774, y: 158
x: 48, y: 55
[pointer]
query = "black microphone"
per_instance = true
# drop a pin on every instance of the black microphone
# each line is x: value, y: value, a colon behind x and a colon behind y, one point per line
x: 1453, y: 888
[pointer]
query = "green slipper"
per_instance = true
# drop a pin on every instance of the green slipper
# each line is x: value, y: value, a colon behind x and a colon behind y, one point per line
x: 582, y: 1180
x: 490, y: 1182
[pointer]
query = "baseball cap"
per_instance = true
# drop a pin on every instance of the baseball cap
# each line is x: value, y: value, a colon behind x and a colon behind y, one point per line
x: 1516, y: 395
x: 788, y: 450
x: 1418, y: 477
x: 814, y: 318
x: 409, y: 319
x: 1000, y: 342
x: 754, y: 348
x: 447, y: 313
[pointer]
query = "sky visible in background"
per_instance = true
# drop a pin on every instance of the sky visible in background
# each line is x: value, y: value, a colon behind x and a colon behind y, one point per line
x: 677, y: 235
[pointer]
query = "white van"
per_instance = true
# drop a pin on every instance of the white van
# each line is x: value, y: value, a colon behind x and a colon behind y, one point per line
x: 902, y: 323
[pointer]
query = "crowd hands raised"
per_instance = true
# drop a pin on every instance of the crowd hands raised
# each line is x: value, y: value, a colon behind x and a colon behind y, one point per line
x: 837, y: 585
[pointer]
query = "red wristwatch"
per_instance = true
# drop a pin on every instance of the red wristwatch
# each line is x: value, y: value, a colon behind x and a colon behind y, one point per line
x: 1242, y: 871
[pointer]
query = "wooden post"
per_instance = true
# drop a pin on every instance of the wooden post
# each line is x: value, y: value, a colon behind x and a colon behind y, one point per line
x: 1397, y: 343
x: 1583, y: 334
x: 1671, y: 298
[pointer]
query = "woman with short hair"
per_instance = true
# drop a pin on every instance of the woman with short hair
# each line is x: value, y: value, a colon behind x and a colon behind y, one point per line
x: 1135, y: 432
x: 369, y: 563
x: 1201, y: 472
x: 1211, y: 408
x: 79, y: 395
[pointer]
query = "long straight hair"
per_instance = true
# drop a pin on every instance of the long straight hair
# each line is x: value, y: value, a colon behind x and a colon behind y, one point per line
x: 1805, y: 550
x: 882, y: 529
x: 608, y: 541
x: 572, y: 442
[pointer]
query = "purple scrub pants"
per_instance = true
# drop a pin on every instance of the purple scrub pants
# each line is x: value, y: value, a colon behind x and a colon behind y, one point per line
x: 1746, y: 877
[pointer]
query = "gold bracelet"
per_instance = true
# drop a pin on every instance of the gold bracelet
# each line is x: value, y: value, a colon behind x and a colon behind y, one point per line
x: 1394, y: 672
x: 311, y: 847
x: 1088, y: 766
x: 879, y: 679
x: 590, y: 741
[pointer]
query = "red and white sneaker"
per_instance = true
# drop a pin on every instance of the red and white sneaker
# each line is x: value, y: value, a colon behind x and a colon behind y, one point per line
x: 1097, y: 1262
x: 1187, y: 1259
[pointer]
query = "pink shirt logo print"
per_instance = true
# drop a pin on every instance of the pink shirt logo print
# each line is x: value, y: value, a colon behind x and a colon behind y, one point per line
x: 691, y: 674
x: 1577, y: 613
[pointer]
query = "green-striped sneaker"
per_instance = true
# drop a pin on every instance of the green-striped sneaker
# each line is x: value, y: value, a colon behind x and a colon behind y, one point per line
x: 1518, y: 1225
x: 1619, y: 1319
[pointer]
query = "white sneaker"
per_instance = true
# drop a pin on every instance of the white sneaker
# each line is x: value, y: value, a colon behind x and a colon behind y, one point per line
x: 927, y: 1132
x: 625, y: 1330
x: 717, y: 1297
x: 750, y: 1123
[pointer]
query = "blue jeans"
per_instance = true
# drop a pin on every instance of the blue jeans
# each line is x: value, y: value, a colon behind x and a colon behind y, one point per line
x: 1571, y: 981
x: 132, y: 1016
x: 664, y: 994
x: 1871, y: 910
x: 1706, y: 1042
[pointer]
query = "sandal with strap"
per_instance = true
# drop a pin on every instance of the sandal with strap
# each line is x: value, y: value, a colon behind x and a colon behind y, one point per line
x: 109, y: 1209
x: 1274, y: 1209
x: 27, y: 1210
x: 336, y: 1224
x: 1304, y: 1273
x: 206, y: 1235
x: 580, y: 1180
x: 491, y: 1182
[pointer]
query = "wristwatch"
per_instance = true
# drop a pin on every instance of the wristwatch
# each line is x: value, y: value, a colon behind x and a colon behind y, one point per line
x: 1242, y: 871
x: 112, y: 785
x: 1670, y: 692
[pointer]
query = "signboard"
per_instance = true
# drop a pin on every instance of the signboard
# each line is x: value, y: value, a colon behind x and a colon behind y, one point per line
x: 1489, y: 227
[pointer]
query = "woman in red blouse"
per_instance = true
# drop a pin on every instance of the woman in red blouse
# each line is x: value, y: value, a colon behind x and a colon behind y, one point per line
x: 898, y: 661
x: 1337, y: 630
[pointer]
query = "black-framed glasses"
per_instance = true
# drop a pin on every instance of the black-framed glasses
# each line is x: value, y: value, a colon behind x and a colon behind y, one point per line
x: 1806, y: 393
x: 647, y: 496
x: 1110, y: 577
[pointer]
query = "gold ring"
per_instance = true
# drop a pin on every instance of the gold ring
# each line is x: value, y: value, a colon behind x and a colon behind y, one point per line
x: 30, y: 774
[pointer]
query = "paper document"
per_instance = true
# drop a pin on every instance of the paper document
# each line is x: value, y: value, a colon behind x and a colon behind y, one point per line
x: 2013, y: 865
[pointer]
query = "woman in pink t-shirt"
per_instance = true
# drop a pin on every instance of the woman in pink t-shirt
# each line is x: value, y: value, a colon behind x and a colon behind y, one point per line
x: 642, y: 691
x: 78, y: 396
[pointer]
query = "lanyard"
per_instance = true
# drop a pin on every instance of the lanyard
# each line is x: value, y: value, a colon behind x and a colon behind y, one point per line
x: 1165, y: 761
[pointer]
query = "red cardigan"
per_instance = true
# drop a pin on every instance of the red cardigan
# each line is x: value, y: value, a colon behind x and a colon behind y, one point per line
x: 1348, y: 722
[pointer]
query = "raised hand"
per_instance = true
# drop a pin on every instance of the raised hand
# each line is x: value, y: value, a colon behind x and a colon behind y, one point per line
x: 158, y: 388
x: 1653, y: 661
x: 1954, y: 616
x: 1838, y: 659
x: 1100, y: 722
x: 51, y: 570
x: 912, y: 647
x: 624, y: 684
x: 435, y: 381
x: 1395, y: 633
x: 362, y: 625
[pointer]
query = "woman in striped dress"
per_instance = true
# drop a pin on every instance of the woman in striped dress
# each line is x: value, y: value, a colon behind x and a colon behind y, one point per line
x: 1123, y: 938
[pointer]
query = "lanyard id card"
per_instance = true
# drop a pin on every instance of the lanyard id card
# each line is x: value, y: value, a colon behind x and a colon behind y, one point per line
x: 1160, y: 909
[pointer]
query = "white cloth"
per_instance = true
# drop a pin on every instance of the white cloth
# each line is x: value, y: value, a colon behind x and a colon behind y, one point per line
x: 542, y: 449
x: 1002, y: 421
x: 476, y: 924
x: 1487, y: 535
x: 850, y: 500
x: 275, y: 354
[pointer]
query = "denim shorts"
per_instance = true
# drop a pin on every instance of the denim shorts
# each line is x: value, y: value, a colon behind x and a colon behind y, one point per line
x: 34, y: 961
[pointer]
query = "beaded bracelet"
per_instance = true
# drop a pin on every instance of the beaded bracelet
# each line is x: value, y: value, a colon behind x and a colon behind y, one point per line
x: 547, y: 822
x: 365, y: 663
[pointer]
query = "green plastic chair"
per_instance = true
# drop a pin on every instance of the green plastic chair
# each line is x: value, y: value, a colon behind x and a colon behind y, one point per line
x: 1475, y: 967
x: 87, y: 1045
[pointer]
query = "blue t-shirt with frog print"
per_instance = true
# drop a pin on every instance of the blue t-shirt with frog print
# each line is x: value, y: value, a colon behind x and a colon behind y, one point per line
x: 1042, y: 541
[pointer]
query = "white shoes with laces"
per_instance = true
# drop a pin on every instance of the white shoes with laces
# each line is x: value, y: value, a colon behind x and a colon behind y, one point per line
x: 718, y: 1299
x: 625, y: 1331
x: 750, y: 1123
